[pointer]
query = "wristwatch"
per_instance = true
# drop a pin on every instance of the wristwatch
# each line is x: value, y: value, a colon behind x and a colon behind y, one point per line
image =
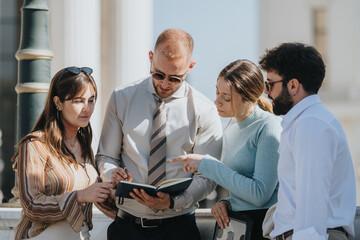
x: 171, y: 202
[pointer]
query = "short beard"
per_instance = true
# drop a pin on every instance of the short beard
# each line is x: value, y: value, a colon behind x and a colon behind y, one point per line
x: 283, y: 103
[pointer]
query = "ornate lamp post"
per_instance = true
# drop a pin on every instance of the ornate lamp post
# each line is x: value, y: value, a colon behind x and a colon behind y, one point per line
x: 34, y: 56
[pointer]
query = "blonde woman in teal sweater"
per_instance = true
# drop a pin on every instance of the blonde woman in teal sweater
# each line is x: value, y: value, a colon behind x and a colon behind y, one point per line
x: 248, y: 169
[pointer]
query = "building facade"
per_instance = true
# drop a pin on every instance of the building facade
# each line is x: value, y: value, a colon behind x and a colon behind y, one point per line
x: 114, y: 37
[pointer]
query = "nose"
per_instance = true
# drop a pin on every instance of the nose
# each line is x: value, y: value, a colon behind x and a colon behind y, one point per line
x: 86, y: 107
x: 165, y: 83
x: 268, y: 94
x: 217, y: 102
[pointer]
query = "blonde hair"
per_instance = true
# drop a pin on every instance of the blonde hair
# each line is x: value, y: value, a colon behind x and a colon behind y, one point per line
x: 246, y: 79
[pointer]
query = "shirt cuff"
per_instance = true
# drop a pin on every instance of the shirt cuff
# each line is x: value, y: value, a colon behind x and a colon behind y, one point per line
x: 225, y: 199
x: 179, y: 202
x: 106, y: 170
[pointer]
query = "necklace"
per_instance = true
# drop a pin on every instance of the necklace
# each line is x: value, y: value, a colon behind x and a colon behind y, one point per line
x: 75, y: 151
x: 70, y: 143
x: 72, y: 146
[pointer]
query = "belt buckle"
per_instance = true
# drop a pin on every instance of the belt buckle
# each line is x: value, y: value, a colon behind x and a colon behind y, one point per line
x: 146, y: 226
x: 280, y: 237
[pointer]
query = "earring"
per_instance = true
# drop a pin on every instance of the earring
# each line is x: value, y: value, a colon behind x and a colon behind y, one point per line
x: 57, y: 108
x: 293, y: 94
x: 58, y: 115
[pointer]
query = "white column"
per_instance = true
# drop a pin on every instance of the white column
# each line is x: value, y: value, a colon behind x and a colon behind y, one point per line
x: 112, y: 37
x: 357, y: 46
x: 127, y: 37
x: 75, y: 30
x: 356, y: 97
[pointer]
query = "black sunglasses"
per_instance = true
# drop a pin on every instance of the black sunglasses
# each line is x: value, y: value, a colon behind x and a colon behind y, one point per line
x: 160, y: 76
x: 76, y: 71
x: 270, y: 84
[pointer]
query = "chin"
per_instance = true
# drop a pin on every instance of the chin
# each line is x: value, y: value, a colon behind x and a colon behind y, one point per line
x: 164, y: 95
x: 82, y: 125
x: 223, y: 115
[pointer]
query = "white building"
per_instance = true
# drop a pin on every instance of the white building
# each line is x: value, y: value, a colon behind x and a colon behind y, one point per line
x: 114, y: 37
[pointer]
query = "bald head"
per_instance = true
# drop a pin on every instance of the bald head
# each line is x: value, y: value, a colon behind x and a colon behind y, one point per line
x: 174, y: 44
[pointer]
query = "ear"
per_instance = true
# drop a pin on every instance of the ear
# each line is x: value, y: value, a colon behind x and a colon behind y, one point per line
x: 192, y: 64
x: 293, y: 86
x: 150, y: 56
x: 57, y: 103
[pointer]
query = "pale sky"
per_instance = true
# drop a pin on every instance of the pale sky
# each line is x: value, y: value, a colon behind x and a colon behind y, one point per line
x: 223, y: 31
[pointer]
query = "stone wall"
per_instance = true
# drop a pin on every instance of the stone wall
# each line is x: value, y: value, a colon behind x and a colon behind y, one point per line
x: 9, y: 218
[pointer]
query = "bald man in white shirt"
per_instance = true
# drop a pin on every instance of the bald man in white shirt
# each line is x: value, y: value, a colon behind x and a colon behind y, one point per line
x: 317, y: 196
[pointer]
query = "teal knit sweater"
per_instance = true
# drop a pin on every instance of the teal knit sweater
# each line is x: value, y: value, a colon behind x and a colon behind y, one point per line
x: 249, y: 162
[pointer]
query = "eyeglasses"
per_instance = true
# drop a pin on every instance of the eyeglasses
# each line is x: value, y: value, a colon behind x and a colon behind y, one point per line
x: 173, y: 79
x: 270, y: 84
x: 76, y: 71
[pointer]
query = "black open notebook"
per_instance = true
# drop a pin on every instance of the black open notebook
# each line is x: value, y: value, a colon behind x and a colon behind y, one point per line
x: 171, y: 186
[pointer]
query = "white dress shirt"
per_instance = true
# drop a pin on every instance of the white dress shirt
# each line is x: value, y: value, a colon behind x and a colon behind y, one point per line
x: 193, y: 126
x: 316, y: 174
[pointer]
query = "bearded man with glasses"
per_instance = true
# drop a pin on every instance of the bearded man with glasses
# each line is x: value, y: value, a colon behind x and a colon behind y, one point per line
x: 317, y: 195
x: 190, y: 124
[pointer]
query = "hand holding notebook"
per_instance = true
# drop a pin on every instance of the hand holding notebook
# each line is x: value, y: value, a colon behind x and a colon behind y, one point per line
x: 171, y: 186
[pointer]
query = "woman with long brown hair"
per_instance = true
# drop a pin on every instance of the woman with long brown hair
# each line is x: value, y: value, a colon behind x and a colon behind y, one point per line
x: 249, y: 162
x: 55, y: 164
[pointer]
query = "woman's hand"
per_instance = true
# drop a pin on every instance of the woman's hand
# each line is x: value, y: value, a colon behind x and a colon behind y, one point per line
x: 191, y: 162
x: 97, y: 192
x: 220, y: 213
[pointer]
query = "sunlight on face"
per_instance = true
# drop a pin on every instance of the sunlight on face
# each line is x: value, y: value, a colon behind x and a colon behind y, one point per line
x: 223, y: 99
x: 229, y: 102
x: 178, y: 67
x: 77, y: 112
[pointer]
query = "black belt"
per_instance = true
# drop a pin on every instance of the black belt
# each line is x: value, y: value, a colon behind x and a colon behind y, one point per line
x: 284, y: 235
x: 146, y: 222
x: 290, y: 232
x: 341, y: 229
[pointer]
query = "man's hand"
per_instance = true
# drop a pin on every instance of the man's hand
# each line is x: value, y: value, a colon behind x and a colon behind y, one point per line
x: 219, y: 211
x: 161, y: 202
x: 121, y: 174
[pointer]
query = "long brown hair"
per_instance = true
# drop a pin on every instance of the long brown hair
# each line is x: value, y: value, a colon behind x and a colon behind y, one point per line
x: 66, y: 86
x: 246, y: 79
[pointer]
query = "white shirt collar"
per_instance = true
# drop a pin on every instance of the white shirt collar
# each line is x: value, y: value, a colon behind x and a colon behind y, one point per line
x: 181, y: 92
x: 299, y: 108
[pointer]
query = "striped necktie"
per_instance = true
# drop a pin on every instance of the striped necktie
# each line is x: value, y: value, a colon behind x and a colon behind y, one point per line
x: 157, y: 160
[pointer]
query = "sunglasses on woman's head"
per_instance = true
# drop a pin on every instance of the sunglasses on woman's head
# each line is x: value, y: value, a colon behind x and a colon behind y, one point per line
x: 76, y: 71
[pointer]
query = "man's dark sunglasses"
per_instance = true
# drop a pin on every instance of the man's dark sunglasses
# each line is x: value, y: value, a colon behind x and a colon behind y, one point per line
x: 270, y: 84
x: 160, y: 76
x: 76, y: 71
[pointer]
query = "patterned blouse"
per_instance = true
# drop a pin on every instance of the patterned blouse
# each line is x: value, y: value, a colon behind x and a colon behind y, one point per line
x: 47, y: 189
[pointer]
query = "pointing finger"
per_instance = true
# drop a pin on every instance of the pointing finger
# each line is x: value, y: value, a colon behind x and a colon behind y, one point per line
x: 178, y: 159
